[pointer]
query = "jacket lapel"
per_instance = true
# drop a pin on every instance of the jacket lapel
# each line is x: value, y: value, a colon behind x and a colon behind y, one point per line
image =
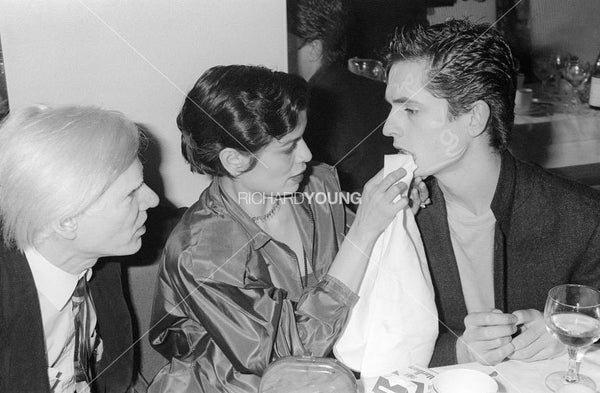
x: 501, y: 206
x: 440, y: 255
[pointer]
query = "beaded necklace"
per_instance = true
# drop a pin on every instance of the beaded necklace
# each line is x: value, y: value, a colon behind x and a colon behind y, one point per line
x: 268, y: 215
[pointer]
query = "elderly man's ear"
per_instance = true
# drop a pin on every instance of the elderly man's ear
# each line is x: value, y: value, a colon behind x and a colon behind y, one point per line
x: 66, y: 228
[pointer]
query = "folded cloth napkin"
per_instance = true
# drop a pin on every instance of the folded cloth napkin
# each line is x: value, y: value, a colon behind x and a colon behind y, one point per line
x: 394, y: 324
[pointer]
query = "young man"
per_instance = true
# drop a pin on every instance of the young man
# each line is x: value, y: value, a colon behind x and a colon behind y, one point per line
x: 499, y: 233
x: 71, y: 191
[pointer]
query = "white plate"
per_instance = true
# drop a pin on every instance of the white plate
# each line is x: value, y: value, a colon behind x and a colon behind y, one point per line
x: 462, y: 380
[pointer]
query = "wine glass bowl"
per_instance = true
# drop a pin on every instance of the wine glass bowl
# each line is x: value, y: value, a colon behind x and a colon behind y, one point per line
x: 547, y: 66
x: 572, y: 315
x: 577, y: 72
x: 543, y: 69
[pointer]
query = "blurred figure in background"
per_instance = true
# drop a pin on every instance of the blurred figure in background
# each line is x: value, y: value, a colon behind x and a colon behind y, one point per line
x: 346, y: 111
x: 374, y: 22
x: 71, y: 191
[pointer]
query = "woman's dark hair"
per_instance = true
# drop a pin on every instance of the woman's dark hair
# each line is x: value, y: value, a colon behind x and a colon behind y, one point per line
x: 466, y: 62
x: 239, y: 107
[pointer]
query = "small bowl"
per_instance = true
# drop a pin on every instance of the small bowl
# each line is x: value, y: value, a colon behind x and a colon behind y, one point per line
x: 463, y: 380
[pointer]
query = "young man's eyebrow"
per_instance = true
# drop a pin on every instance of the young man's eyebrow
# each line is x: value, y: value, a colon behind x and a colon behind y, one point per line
x: 402, y: 100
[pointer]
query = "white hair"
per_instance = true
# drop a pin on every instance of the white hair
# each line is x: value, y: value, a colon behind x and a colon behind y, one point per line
x: 55, y: 162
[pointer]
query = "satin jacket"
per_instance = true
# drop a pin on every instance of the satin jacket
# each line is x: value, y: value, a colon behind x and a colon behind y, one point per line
x: 547, y: 233
x: 216, y: 307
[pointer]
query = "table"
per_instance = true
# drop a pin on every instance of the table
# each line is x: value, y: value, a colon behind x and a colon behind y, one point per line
x: 523, y: 377
x: 565, y: 143
x: 512, y: 376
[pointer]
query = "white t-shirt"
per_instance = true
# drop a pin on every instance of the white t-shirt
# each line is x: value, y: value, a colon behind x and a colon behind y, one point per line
x: 473, y: 242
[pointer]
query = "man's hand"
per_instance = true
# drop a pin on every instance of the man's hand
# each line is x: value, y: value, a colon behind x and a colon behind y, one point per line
x: 487, y: 337
x: 419, y: 195
x: 534, y: 343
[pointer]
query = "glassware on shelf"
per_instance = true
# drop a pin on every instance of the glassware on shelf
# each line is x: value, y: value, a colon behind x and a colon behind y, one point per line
x: 577, y: 72
x: 369, y: 68
x: 544, y: 70
x: 547, y: 66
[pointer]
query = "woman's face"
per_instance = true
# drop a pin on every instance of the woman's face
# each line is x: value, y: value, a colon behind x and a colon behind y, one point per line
x: 281, y: 164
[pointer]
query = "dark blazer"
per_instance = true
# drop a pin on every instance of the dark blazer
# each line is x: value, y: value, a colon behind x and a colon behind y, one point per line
x: 547, y: 233
x: 23, y: 363
x: 344, y: 109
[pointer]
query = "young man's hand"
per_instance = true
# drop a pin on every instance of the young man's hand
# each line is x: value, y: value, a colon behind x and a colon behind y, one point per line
x: 487, y: 337
x: 534, y: 343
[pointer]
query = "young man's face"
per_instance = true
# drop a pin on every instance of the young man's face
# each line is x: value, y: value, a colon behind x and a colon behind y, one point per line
x: 420, y: 123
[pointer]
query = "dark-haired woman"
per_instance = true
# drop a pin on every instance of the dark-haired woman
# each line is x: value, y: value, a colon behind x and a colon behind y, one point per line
x: 261, y: 266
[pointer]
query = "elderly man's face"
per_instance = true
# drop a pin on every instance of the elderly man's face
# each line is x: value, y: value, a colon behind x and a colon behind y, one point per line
x: 114, y: 224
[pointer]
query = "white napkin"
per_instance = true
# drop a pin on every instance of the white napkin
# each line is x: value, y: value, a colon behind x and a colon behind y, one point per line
x: 394, y: 324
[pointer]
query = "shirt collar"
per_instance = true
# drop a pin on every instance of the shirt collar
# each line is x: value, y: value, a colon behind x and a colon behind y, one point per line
x: 54, y: 283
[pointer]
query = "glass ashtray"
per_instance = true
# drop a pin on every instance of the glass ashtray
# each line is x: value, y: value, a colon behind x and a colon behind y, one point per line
x: 307, y: 375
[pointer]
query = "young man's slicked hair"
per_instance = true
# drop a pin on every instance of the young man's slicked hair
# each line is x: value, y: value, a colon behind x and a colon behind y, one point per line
x: 466, y: 62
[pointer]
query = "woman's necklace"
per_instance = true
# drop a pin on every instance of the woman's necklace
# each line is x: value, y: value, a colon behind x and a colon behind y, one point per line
x: 269, y: 214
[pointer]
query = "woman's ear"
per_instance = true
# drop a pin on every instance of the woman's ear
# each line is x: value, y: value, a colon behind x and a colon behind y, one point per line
x: 234, y: 161
x: 480, y: 115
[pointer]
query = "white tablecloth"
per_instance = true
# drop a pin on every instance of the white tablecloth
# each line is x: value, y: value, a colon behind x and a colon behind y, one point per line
x: 523, y: 377
x: 512, y: 376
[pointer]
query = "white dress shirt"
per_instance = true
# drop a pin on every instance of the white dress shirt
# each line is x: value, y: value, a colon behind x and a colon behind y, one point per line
x: 55, y: 288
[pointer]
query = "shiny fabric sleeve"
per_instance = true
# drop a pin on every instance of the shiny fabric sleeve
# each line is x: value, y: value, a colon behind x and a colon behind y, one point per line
x: 251, y: 324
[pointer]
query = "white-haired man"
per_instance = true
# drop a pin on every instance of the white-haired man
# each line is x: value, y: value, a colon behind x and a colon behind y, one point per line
x: 71, y: 192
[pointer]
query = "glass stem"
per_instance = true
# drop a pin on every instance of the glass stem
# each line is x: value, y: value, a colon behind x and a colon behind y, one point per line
x: 572, y: 375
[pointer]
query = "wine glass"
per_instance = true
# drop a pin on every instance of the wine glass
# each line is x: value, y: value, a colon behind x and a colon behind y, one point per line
x: 576, y: 73
x: 572, y: 315
x: 544, y: 70
x: 559, y: 60
x: 369, y: 68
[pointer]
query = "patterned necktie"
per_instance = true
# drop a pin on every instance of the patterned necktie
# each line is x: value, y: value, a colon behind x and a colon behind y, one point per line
x: 81, y: 309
